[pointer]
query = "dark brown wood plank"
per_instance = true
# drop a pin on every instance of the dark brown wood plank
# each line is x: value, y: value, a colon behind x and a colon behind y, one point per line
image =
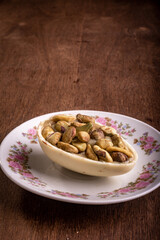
x: 62, y: 55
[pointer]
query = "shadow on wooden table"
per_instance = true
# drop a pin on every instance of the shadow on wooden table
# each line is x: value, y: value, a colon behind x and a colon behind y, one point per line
x: 33, y: 206
x: 108, y: 220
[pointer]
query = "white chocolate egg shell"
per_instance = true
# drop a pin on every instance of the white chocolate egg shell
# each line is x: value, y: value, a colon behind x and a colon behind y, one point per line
x: 83, y: 165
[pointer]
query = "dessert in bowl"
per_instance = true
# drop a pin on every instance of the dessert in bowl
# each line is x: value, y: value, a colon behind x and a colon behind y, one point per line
x: 78, y: 143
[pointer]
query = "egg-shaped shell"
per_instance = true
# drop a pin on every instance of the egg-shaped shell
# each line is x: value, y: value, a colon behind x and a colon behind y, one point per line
x: 83, y: 165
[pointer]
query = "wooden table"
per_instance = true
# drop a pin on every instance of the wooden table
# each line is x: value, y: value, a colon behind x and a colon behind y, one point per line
x: 63, y: 55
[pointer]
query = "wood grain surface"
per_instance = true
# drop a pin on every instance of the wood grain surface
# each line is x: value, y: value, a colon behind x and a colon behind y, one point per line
x: 62, y: 55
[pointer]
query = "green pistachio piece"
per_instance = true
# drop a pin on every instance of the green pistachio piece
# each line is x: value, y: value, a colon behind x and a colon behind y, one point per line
x: 62, y: 117
x: 117, y: 141
x: 104, y: 143
x: 119, y: 156
x: 90, y: 153
x: 84, y: 118
x: 67, y: 147
x: 97, y: 134
x: 118, y: 149
x: 109, y: 131
x: 87, y: 127
x: 69, y: 134
x: 54, y: 138
x: 77, y: 124
x: 61, y: 126
x: 102, y: 154
x: 47, y: 131
x: 83, y: 136
x: 81, y: 146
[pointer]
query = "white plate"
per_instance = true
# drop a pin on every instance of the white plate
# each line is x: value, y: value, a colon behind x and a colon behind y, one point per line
x: 23, y: 161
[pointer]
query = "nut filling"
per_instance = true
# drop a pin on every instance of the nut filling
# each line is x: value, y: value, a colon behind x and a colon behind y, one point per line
x: 74, y: 134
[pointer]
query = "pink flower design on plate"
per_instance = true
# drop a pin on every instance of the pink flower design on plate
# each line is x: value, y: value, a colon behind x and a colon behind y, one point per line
x: 101, y: 121
x: 124, y: 190
x: 24, y: 147
x: 18, y: 162
x: 114, y: 126
x: 141, y: 138
x: 145, y: 175
x: 112, y: 121
x: 15, y: 165
x: 147, y: 143
x: 19, y: 157
x: 149, y: 139
x: 31, y: 135
x: 148, y: 146
x: 157, y: 147
x: 142, y: 184
x: 150, y: 165
x: 32, y: 131
x: 28, y: 175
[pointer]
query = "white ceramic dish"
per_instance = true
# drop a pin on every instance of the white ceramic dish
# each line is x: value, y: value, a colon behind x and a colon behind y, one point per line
x: 24, y: 162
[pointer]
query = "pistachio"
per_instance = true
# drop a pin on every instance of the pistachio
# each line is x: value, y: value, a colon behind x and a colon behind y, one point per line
x: 83, y: 136
x: 119, y: 156
x: 62, y: 117
x: 97, y: 134
x: 117, y: 141
x: 95, y: 126
x: 77, y: 124
x: 67, y: 147
x: 69, y: 134
x: 90, y: 153
x: 108, y: 131
x: 47, y: 131
x: 61, y: 126
x: 102, y: 154
x: 54, y: 138
x: 118, y: 149
x: 104, y: 143
x: 87, y: 127
x: 81, y: 146
x: 84, y: 118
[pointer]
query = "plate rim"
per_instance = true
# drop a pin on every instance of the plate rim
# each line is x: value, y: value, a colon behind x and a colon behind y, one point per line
x: 67, y: 199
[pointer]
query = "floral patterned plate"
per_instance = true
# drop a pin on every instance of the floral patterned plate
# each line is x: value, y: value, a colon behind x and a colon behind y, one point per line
x: 23, y: 161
